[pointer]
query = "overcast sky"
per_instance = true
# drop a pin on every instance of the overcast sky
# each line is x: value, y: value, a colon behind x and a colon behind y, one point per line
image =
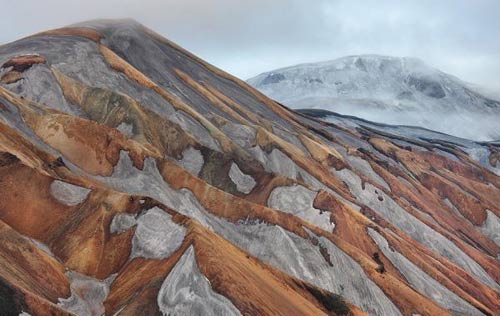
x: 246, y: 38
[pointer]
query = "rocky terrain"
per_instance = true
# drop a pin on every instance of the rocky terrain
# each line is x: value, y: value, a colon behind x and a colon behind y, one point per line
x: 136, y: 179
x: 391, y: 90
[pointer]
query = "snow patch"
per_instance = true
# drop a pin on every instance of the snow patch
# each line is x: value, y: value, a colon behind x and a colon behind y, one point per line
x: 122, y: 222
x: 87, y: 294
x: 422, y: 282
x: 126, y: 129
x: 244, y: 182
x: 186, y: 291
x: 491, y: 227
x: 192, y: 160
x: 67, y: 193
x: 156, y: 235
x: 298, y: 200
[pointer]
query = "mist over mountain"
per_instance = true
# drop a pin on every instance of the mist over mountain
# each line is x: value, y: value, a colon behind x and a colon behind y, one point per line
x: 401, y: 91
x: 137, y: 179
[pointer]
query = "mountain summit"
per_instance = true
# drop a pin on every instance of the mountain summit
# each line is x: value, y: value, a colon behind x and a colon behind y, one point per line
x: 390, y: 90
x: 137, y: 179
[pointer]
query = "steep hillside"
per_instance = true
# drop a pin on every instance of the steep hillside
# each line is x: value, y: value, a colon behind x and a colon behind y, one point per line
x: 136, y: 179
x: 403, y: 91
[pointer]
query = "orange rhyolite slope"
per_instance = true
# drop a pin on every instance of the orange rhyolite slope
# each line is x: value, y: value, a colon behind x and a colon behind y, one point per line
x: 136, y: 179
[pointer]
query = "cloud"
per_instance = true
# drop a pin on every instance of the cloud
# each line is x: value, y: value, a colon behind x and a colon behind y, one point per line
x: 248, y: 37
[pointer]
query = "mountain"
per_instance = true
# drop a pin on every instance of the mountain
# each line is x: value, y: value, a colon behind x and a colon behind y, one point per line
x: 137, y: 179
x: 403, y: 91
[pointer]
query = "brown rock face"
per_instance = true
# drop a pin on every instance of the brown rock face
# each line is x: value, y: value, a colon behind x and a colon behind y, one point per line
x: 141, y: 180
x: 22, y: 63
x: 17, y: 66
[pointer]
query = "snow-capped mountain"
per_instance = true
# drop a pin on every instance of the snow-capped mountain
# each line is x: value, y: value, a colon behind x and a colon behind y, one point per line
x: 391, y: 90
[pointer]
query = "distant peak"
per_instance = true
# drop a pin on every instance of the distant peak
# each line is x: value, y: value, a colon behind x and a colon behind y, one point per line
x: 360, y: 61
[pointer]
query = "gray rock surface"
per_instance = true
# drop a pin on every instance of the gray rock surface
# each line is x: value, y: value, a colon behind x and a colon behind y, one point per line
x: 397, y: 216
x: 276, y: 161
x: 122, y: 222
x: 197, y: 130
x: 126, y: 129
x: 156, y: 235
x: 364, y: 167
x: 40, y: 85
x: 186, y: 291
x: 243, y: 135
x: 422, y: 282
x: 491, y: 227
x: 300, y: 258
x: 291, y: 138
x: 149, y: 182
x: 244, y: 182
x: 298, y: 201
x: 192, y: 160
x: 67, y: 193
x: 87, y: 294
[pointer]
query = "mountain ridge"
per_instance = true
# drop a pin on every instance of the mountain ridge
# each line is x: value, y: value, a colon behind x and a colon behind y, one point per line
x: 122, y: 156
